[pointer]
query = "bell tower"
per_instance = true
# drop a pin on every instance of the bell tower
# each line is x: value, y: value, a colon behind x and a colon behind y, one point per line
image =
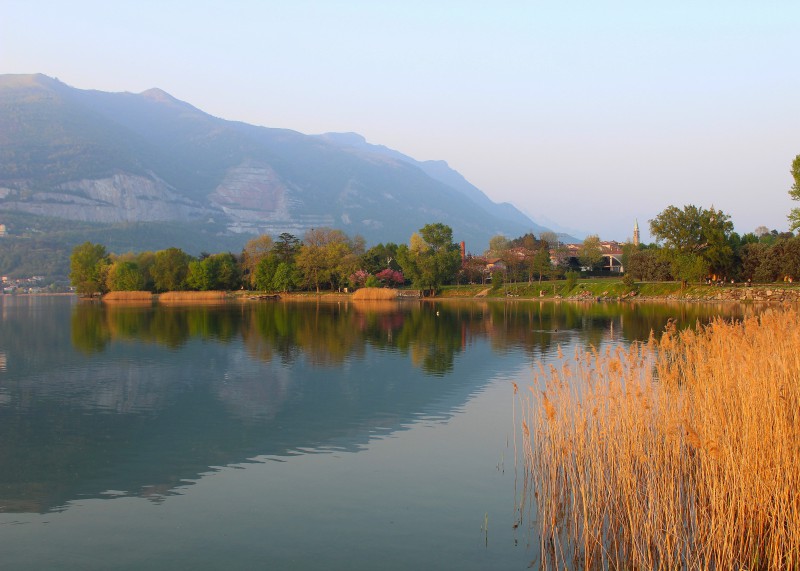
x: 636, y: 233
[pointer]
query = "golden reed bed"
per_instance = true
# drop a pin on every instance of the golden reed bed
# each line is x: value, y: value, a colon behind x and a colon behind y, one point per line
x: 128, y: 296
x: 682, y: 453
x: 192, y: 296
x: 168, y: 297
x: 375, y: 293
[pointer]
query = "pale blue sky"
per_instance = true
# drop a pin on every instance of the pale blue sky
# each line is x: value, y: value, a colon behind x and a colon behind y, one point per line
x: 585, y: 113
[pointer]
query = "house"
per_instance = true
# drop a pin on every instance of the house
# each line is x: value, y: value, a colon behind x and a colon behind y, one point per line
x: 612, y: 256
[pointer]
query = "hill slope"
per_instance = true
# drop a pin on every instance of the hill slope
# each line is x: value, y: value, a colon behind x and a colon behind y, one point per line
x: 116, y: 160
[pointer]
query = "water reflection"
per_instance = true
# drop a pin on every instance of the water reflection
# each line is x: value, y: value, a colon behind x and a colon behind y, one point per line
x: 140, y: 400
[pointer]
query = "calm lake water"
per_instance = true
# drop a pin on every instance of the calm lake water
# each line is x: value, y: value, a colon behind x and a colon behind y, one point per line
x: 272, y: 435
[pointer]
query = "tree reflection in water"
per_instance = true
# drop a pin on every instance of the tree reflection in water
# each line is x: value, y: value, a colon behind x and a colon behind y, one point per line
x: 326, y: 334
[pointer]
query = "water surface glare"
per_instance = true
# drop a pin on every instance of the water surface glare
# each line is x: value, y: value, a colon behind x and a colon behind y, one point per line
x: 276, y: 435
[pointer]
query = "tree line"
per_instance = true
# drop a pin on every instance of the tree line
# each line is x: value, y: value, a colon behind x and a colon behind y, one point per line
x: 324, y: 259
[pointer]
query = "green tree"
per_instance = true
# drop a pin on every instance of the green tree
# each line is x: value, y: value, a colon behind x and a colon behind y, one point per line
x: 696, y: 241
x: 540, y: 263
x: 432, y: 259
x: 255, y: 250
x: 216, y: 272
x: 200, y: 275
x: 265, y: 271
x: 286, y: 247
x: 648, y: 264
x: 88, y: 267
x: 170, y: 268
x: 284, y: 278
x: 794, y: 192
x: 591, y: 253
x: 379, y: 258
x: 328, y: 257
x: 145, y: 261
x: 125, y: 276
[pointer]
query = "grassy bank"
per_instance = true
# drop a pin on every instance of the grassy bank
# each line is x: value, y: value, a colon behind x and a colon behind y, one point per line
x: 681, y: 453
x: 606, y: 288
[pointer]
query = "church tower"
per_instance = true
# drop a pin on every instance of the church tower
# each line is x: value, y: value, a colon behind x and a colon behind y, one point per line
x: 636, y: 233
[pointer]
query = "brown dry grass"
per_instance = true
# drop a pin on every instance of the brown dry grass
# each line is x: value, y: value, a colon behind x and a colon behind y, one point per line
x: 192, y: 296
x: 682, y: 453
x: 122, y: 296
x: 375, y: 293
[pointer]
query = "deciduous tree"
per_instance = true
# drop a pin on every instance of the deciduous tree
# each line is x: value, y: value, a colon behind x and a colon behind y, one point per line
x: 431, y: 259
x: 591, y: 253
x: 692, y: 238
x: 255, y: 250
x: 170, y: 269
x: 125, y: 276
x: 88, y: 266
x: 328, y: 257
x: 794, y: 192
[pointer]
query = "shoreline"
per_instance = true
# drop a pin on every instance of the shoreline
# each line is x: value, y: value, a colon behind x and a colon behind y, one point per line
x: 773, y: 294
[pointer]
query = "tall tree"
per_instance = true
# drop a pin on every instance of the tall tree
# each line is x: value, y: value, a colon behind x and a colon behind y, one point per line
x: 255, y: 250
x: 125, y: 276
x: 694, y: 237
x: 432, y: 259
x: 88, y: 266
x: 328, y: 256
x: 286, y: 247
x: 591, y: 253
x: 794, y: 192
x: 170, y: 269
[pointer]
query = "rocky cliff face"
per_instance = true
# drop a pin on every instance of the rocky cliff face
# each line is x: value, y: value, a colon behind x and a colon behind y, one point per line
x: 118, y: 198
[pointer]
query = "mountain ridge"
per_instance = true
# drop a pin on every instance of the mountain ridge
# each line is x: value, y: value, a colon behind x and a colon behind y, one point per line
x: 111, y: 158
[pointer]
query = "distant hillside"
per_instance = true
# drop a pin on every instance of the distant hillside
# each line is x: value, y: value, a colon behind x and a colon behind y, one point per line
x: 128, y: 164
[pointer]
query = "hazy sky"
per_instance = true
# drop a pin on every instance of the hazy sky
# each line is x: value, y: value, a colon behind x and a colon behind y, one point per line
x: 585, y: 113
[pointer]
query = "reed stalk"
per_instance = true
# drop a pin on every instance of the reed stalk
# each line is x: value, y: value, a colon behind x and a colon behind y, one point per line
x: 679, y: 453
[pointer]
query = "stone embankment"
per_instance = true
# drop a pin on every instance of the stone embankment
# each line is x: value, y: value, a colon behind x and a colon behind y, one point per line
x: 701, y: 294
x: 743, y: 293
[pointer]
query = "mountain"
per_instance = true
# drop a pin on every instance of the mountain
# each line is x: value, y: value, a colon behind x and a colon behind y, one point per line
x: 144, y: 169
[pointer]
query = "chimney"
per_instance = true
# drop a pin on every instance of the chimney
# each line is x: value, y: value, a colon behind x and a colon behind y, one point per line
x: 463, y: 251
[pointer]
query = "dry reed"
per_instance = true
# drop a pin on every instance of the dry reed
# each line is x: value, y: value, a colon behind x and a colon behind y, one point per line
x: 375, y: 293
x: 122, y: 296
x: 192, y: 296
x: 682, y: 453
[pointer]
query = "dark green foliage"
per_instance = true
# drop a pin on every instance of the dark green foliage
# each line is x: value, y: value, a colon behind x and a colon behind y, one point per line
x: 214, y: 272
x: 170, y: 270
x: 764, y: 263
x: 286, y: 247
x: 379, y: 258
x: 648, y: 265
x: 88, y: 267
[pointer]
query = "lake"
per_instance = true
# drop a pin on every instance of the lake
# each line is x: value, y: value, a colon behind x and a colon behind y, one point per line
x: 336, y: 435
